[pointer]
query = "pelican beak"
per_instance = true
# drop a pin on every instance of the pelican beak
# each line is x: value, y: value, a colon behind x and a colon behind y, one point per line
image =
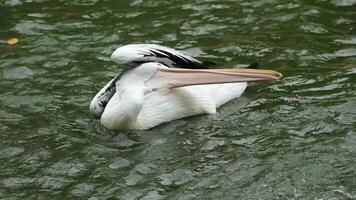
x: 177, y: 77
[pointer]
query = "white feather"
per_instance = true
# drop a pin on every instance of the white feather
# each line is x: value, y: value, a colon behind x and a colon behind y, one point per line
x: 166, y: 105
x: 138, y: 53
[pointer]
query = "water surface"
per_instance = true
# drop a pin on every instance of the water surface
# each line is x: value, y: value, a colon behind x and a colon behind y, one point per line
x: 290, y: 139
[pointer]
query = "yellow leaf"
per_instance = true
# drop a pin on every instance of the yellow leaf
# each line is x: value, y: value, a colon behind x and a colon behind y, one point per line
x: 12, y: 41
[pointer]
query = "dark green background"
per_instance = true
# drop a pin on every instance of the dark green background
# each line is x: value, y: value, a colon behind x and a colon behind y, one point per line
x: 290, y: 139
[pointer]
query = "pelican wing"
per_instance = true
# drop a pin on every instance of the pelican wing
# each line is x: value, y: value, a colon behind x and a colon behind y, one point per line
x: 136, y: 54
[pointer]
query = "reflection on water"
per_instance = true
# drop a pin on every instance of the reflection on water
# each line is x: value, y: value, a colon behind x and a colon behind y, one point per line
x: 291, y: 139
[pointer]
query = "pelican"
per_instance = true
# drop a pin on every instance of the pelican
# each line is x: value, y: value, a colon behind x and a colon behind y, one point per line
x: 160, y: 84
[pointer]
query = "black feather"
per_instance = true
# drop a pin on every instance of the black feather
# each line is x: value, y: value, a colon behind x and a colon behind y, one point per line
x: 253, y: 66
x: 180, y: 62
x: 110, y: 90
x: 209, y: 63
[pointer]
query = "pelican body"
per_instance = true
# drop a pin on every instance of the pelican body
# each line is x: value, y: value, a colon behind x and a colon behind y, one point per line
x: 162, y: 84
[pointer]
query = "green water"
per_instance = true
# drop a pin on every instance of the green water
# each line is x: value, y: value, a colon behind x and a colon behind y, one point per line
x: 290, y: 139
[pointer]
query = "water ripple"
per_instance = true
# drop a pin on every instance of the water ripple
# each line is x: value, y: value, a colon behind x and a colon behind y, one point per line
x: 290, y: 139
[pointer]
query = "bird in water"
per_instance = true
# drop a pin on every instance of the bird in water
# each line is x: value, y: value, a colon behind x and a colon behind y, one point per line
x: 160, y: 84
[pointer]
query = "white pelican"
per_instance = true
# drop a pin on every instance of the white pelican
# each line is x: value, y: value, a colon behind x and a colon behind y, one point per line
x: 162, y: 84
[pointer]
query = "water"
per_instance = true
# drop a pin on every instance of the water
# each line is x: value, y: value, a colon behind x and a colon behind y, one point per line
x: 290, y: 139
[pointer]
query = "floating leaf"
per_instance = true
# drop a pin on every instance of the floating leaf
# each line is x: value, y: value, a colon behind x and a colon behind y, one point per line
x: 12, y: 41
